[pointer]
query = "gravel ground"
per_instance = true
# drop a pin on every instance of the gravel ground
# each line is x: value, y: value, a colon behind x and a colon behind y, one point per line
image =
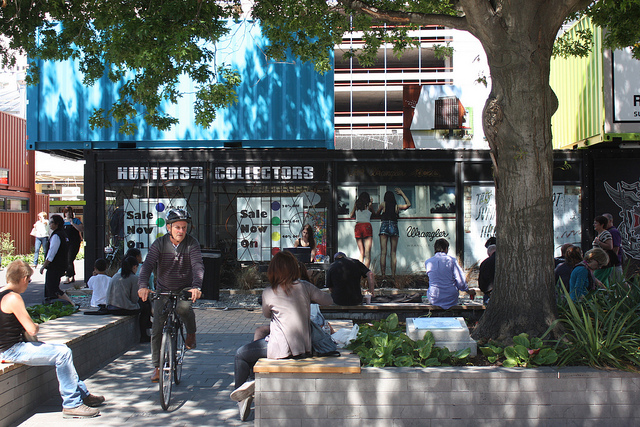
x: 227, y: 300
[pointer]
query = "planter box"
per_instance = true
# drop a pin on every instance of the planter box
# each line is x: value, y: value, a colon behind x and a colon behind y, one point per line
x: 454, y: 396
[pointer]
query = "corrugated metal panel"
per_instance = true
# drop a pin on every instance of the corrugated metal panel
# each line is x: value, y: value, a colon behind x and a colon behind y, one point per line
x: 13, y: 154
x: 41, y: 204
x: 18, y: 225
x: 279, y: 105
x: 578, y: 84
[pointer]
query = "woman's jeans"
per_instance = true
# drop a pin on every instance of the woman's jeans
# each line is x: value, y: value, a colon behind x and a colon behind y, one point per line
x: 41, y: 242
x: 246, y: 358
x: 72, y: 389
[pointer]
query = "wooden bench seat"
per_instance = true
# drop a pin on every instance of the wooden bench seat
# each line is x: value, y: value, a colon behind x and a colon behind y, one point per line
x: 345, y: 364
x: 377, y: 311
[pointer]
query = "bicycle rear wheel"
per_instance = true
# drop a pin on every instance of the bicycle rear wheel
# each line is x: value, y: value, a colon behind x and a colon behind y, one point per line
x: 166, y: 369
x: 179, y: 351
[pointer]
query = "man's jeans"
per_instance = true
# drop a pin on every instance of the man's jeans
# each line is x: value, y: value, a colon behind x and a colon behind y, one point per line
x: 186, y: 314
x: 72, y: 389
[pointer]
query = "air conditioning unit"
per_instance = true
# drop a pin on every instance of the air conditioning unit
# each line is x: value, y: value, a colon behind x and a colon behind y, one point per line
x: 449, y: 113
x: 70, y: 193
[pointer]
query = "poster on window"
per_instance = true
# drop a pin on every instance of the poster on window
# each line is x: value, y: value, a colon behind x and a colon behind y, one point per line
x: 479, y: 224
x: 267, y: 225
x: 566, y: 217
x: 480, y: 220
x: 144, y: 221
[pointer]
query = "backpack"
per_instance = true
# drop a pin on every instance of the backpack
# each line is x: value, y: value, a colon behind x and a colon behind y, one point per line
x: 322, y: 343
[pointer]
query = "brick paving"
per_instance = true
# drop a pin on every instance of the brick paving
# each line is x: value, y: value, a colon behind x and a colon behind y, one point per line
x: 202, y: 397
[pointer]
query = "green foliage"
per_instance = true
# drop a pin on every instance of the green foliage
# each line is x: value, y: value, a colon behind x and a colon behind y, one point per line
x: 525, y: 352
x: 620, y: 18
x: 603, y: 329
x: 384, y: 344
x: 7, y: 246
x: 442, y: 52
x: 146, y: 46
x: 44, y: 313
x: 569, y: 45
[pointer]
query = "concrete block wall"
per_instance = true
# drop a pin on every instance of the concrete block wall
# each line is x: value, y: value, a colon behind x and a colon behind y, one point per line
x: 454, y: 396
x: 94, y: 341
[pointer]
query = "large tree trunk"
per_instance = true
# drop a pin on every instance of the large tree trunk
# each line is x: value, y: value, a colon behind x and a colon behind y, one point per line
x: 517, y: 123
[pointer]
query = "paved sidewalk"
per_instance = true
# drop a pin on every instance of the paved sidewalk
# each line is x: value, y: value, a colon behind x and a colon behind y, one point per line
x: 202, y: 398
x: 35, y: 292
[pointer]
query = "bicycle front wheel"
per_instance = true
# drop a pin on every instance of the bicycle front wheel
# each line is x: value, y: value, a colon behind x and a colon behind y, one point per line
x: 179, y: 349
x: 166, y: 369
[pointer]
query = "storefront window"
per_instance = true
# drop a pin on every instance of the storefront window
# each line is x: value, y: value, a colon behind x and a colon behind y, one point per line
x: 135, y: 216
x: 432, y: 215
x: 4, y: 176
x: 480, y: 219
x: 257, y: 221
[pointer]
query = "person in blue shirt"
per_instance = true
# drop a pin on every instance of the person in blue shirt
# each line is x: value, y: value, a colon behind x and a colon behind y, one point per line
x: 446, y: 278
x: 582, y: 279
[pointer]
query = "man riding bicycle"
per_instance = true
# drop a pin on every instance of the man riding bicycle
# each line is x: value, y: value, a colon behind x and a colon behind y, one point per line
x: 178, y: 265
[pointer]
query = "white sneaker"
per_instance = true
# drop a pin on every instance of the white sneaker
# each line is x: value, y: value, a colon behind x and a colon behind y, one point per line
x: 82, y: 411
x: 244, y: 391
x: 245, y: 408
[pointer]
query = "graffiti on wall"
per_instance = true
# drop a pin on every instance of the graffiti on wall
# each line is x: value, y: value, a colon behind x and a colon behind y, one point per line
x: 627, y: 198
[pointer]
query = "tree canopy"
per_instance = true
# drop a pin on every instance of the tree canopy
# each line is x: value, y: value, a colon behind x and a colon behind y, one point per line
x: 150, y: 44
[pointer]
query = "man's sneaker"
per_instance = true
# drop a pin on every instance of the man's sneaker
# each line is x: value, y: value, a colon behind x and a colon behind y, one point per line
x: 244, y: 391
x: 82, y: 411
x: 245, y: 408
x: 190, y: 342
x: 156, y: 375
x: 92, y: 400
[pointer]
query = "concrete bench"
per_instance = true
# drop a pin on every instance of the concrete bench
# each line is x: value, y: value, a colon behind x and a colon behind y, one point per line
x: 94, y: 340
x: 377, y: 311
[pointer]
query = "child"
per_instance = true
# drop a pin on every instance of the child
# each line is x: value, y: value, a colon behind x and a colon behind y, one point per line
x: 16, y: 327
x: 99, y: 284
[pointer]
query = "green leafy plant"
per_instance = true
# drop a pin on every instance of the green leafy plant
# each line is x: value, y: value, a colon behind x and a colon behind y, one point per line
x: 602, y: 329
x: 7, y: 247
x: 525, y: 352
x: 383, y: 343
x: 43, y: 313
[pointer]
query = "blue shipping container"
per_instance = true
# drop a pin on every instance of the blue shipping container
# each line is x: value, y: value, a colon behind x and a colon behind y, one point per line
x: 280, y: 104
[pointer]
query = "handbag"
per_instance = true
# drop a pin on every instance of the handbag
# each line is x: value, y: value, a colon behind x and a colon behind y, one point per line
x: 34, y: 233
x: 322, y: 343
x: 613, y: 258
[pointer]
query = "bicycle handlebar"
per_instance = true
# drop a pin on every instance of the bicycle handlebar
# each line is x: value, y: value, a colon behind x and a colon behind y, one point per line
x: 184, y: 294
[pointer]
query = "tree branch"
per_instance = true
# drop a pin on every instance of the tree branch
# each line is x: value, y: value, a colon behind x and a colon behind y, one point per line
x: 404, y: 18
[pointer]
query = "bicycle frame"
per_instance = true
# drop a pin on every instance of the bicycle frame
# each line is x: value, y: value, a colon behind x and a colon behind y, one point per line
x: 172, y: 347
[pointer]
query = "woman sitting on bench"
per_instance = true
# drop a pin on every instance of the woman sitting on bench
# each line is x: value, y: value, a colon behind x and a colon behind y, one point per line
x: 287, y: 303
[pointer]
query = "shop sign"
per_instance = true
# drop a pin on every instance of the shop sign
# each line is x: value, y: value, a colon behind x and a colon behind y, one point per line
x: 263, y: 173
x: 626, y: 88
x: 163, y: 173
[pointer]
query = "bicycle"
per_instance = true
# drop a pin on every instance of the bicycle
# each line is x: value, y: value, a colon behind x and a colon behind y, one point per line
x: 173, y: 347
